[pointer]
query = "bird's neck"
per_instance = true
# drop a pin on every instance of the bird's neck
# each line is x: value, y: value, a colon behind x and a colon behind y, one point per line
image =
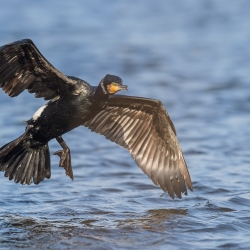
x: 100, y: 96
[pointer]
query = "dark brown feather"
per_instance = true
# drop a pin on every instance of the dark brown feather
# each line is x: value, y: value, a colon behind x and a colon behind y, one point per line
x: 144, y: 128
x: 22, y: 66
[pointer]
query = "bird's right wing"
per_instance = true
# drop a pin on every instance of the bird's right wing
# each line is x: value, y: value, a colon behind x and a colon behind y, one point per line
x: 22, y: 66
x: 144, y: 128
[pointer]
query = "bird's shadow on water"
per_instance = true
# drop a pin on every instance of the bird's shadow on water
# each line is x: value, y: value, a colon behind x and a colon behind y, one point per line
x: 101, y: 228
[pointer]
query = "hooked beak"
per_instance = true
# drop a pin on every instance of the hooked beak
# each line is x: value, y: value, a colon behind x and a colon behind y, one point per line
x: 121, y: 87
x: 113, y: 88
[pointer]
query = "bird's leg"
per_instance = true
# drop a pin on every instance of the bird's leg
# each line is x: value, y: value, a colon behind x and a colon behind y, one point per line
x: 65, y: 158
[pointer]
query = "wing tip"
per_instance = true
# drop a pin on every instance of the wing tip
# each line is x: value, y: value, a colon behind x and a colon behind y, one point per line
x: 18, y: 42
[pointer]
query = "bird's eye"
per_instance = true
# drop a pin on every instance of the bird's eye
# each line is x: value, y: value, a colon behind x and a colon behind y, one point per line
x: 113, y: 83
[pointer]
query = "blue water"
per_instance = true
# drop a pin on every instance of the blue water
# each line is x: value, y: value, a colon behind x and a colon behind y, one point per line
x: 192, y: 55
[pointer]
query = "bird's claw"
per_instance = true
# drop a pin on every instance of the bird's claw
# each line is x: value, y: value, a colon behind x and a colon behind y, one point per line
x: 65, y: 161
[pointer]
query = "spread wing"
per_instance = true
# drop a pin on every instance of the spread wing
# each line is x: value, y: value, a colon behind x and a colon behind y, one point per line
x: 144, y: 128
x: 22, y: 66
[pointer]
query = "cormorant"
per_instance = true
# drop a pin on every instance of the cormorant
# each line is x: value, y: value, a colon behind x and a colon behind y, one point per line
x: 140, y: 125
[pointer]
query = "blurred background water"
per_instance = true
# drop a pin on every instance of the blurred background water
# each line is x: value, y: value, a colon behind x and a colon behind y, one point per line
x: 192, y: 55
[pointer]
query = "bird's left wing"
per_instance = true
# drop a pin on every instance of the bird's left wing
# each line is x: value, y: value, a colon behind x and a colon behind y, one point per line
x: 144, y: 128
x: 22, y: 66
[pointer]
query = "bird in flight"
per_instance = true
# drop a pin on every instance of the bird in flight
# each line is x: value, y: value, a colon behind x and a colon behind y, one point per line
x: 140, y: 125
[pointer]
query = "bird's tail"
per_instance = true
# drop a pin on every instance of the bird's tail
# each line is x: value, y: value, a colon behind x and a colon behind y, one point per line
x: 24, y: 159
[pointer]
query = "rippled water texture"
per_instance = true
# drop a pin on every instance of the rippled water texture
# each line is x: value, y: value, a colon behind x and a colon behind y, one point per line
x: 192, y: 55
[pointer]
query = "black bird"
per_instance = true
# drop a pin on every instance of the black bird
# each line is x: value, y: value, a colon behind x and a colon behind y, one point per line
x: 140, y: 125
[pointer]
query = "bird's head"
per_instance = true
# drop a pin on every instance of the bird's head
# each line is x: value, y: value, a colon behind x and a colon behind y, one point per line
x: 112, y: 84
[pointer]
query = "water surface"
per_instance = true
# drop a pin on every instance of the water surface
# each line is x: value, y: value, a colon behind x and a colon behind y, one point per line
x: 194, y: 57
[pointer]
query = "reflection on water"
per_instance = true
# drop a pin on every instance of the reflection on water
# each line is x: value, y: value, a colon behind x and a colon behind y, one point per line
x: 154, y: 220
x: 195, y: 59
x: 45, y: 231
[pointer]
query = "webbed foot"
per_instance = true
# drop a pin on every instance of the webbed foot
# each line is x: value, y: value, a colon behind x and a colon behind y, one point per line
x: 65, y: 158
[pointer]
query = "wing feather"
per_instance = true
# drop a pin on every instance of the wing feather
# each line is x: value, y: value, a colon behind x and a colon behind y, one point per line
x: 144, y: 128
x: 22, y: 66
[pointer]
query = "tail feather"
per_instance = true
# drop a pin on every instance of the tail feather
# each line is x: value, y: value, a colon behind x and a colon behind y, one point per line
x: 47, y: 164
x: 35, y: 172
x: 26, y: 167
x: 20, y: 168
x: 9, y: 170
x: 28, y: 177
x: 11, y: 146
x: 25, y: 160
x: 7, y: 162
x: 41, y: 167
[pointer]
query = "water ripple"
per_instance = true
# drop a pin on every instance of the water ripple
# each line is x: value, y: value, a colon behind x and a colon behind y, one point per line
x: 195, y: 59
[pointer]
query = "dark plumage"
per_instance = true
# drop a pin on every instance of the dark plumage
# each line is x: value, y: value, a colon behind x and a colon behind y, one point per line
x: 140, y: 125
